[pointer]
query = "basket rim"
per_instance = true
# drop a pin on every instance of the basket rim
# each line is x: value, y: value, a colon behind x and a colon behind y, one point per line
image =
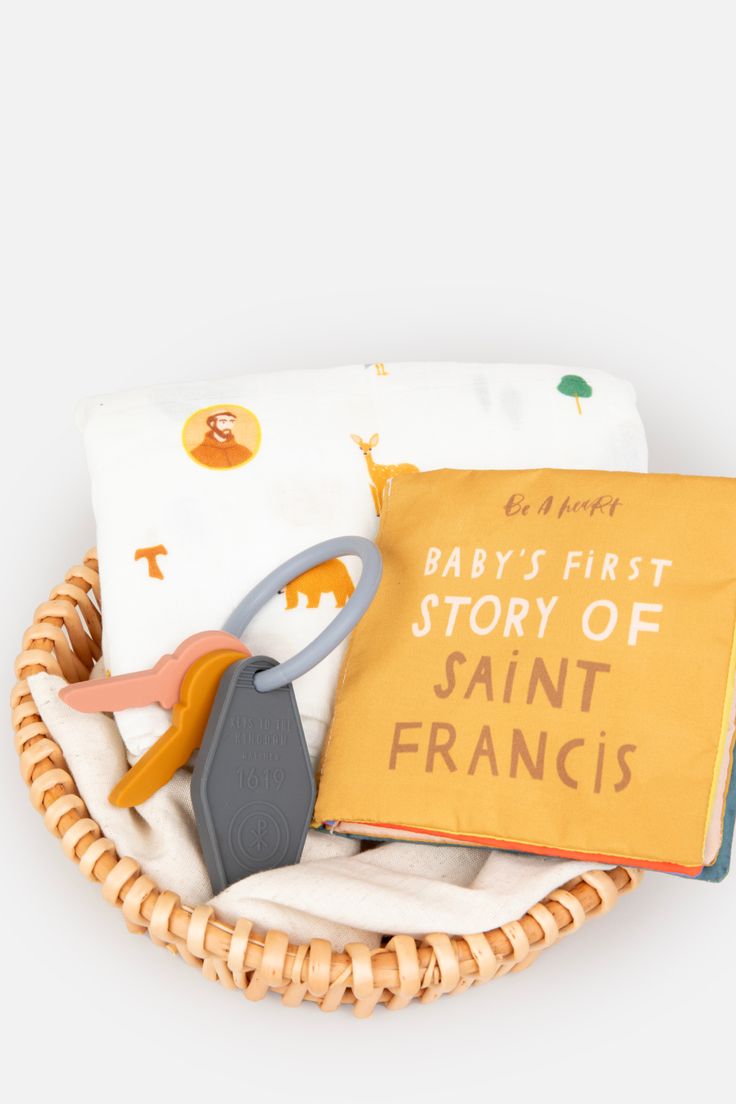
x: 65, y: 639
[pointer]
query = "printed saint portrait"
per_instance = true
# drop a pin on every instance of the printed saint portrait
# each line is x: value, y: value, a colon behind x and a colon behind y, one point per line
x: 222, y: 437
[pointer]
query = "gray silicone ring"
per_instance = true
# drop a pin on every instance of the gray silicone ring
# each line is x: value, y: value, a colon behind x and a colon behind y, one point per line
x: 274, y: 677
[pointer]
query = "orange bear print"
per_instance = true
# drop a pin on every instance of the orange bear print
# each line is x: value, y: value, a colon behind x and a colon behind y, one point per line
x: 379, y: 474
x: 331, y: 577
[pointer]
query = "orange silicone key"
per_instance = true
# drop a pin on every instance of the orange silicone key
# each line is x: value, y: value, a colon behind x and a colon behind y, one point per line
x: 172, y: 750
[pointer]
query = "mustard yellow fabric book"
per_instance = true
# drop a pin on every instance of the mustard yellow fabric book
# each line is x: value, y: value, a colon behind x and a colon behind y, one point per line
x: 548, y: 667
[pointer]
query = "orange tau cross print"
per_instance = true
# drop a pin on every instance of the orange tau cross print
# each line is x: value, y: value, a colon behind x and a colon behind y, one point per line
x: 150, y: 554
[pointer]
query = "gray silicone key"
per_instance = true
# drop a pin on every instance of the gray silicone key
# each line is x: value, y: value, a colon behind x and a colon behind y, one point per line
x: 253, y: 789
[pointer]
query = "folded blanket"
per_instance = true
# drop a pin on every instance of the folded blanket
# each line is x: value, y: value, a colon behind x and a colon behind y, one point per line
x: 335, y: 893
x: 200, y: 489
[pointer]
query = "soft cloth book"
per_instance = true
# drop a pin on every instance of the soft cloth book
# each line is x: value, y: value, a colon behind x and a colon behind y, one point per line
x: 548, y: 667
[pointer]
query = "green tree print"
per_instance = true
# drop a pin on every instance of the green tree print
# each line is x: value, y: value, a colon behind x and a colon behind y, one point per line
x: 576, y: 387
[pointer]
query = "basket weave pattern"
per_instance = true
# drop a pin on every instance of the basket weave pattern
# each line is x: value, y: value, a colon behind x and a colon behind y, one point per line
x: 65, y: 639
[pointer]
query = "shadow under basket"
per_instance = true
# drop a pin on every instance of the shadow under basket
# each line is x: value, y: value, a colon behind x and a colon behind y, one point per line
x: 65, y: 639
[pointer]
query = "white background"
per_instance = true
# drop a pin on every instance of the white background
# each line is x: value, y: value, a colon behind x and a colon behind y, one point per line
x: 194, y: 189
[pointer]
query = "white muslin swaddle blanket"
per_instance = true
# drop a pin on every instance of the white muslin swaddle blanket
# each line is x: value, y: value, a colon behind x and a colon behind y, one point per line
x: 201, y: 489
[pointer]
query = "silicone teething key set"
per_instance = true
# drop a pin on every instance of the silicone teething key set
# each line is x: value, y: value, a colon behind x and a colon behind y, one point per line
x: 248, y: 819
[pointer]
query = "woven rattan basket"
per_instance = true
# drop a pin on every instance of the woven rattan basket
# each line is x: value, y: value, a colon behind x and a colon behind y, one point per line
x: 65, y: 640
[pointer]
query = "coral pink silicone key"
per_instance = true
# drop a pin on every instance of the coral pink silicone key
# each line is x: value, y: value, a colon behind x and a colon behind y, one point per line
x: 161, y: 683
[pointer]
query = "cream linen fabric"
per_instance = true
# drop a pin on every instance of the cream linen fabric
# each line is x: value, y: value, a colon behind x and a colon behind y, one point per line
x: 335, y: 893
